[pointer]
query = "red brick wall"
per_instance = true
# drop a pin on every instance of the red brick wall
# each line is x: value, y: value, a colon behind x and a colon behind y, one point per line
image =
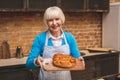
x: 86, y: 27
x: 20, y: 29
x: 114, y: 1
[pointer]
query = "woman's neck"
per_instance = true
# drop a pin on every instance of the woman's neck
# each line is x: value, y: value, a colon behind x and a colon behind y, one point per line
x: 56, y: 34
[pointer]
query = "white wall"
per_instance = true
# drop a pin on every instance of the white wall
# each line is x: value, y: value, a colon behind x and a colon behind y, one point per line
x: 111, y: 28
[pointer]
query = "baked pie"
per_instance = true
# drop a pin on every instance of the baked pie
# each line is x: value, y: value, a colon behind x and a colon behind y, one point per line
x: 64, y: 61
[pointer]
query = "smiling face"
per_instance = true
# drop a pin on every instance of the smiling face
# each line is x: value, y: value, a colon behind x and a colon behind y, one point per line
x: 54, y: 25
x: 54, y: 19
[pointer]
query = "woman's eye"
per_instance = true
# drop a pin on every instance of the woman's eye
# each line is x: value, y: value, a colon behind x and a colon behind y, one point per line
x: 50, y: 20
x: 56, y: 18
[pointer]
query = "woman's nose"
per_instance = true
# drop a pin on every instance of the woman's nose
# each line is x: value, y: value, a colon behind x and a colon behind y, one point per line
x: 54, y: 22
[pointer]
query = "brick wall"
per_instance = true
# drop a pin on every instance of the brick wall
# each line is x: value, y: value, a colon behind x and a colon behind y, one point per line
x: 20, y: 29
x: 114, y: 1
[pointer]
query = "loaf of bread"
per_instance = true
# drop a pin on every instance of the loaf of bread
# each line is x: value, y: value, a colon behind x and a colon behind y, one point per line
x: 64, y: 61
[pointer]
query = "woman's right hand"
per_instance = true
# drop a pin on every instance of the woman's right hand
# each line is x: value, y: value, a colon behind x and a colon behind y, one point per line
x: 39, y: 61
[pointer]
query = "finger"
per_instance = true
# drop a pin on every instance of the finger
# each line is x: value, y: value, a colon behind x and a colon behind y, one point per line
x: 82, y: 60
x: 40, y: 60
x: 83, y: 63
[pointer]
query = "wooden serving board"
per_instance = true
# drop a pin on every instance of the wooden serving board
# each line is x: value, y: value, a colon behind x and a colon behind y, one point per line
x: 100, y: 49
x: 48, y: 66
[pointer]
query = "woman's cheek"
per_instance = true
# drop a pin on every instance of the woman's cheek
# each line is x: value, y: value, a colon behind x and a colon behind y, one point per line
x: 59, y: 24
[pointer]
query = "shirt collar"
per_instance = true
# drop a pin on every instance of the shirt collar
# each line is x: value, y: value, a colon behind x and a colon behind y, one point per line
x: 52, y: 37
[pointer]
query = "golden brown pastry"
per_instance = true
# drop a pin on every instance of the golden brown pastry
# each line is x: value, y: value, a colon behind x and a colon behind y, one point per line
x: 64, y: 61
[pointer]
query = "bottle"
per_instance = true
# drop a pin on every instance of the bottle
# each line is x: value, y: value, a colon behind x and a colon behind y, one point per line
x: 19, y: 52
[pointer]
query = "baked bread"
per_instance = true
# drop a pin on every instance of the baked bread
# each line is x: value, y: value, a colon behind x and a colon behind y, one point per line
x: 63, y: 60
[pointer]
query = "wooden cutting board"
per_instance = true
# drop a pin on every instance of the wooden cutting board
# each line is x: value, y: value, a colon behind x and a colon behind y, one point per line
x: 100, y: 49
x: 48, y: 66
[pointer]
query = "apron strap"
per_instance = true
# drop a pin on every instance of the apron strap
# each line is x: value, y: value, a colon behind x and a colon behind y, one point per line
x: 65, y: 39
x: 46, y: 41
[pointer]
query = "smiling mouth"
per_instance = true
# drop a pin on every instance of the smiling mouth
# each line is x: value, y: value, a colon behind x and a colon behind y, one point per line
x: 55, y: 27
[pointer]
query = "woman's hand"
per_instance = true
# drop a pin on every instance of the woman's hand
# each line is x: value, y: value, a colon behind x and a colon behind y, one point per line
x: 82, y: 60
x: 39, y: 61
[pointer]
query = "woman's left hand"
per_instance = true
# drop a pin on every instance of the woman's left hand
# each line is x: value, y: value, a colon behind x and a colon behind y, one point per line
x: 82, y: 60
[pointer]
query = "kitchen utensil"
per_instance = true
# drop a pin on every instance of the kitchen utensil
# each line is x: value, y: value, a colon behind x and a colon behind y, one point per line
x: 19, y: 52
x: 0, y: 52
x: 5, y: 50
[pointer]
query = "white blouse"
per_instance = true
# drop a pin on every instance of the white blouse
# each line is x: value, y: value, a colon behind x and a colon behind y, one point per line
x: 57, y: 41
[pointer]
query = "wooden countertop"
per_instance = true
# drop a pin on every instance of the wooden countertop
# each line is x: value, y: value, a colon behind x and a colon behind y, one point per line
x: 12, y: 61
x: 97, y: 53
x: 20, y: 61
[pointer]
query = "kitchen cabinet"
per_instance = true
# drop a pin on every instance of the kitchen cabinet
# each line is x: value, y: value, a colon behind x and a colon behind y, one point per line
x: 66, y: 5
x: 86, y: 74
x: 111, y: 28
x: 85, y: 5
x: 12, y: 5
x: 97, y: 5
x: 107, y: 65
x: 40, y: 5
x: 73, y: 5
x: 16, y: 72
x: 98, y: 66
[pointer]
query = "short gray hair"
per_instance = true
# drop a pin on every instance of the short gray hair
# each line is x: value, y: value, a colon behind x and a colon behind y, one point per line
x: 53, y: 12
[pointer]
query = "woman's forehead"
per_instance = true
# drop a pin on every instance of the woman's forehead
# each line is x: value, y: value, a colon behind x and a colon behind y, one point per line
x: 52, y: 16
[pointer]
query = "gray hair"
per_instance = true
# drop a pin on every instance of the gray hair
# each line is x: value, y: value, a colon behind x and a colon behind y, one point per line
x: 53, y: 12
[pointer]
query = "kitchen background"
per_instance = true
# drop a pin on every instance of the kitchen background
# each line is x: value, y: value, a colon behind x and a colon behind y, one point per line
x: 20, y: 29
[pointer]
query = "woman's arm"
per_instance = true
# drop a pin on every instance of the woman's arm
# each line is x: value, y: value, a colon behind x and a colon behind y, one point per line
x: 73, y: 45
x: 36, y: 50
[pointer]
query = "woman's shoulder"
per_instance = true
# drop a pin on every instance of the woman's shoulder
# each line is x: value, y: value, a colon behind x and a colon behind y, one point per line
x: 42, y: 35
x: 68, y: 35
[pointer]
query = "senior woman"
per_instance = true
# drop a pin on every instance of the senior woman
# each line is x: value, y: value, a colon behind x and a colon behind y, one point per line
x: 53, y: 40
